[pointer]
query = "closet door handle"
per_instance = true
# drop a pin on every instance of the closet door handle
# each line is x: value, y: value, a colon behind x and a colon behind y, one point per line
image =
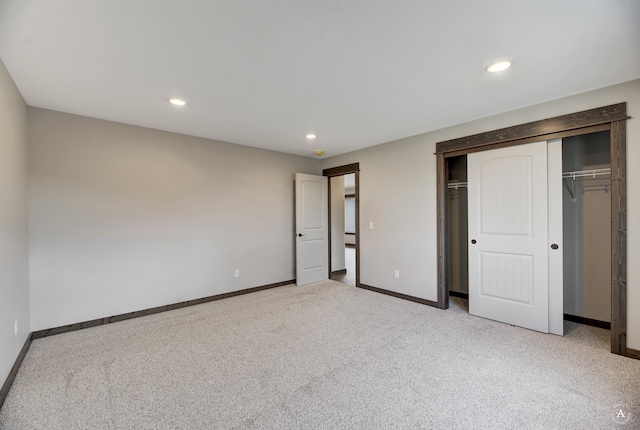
x: 473, y: 241
x: 300, y: 234
x: 554, y: 246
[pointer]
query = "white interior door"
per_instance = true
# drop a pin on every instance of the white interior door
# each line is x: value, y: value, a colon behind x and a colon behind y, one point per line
x: 508, y: 234
x: 312, y: 252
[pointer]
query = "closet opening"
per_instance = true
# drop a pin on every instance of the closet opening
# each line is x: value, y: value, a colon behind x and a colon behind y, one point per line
x: 586, y: 226
x: 457, y: 210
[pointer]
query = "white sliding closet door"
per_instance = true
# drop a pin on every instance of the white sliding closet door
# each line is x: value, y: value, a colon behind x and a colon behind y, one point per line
x: 556, y: 245
x: 508, y: 235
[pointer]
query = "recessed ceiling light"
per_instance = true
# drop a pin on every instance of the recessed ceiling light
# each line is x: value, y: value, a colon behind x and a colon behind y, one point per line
x: 499, y: 66
x: 311, y: 136
x: 177, y: 102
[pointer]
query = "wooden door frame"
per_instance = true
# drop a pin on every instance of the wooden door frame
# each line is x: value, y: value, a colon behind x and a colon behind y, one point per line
x: 610, y: 118
x: 341, y: 171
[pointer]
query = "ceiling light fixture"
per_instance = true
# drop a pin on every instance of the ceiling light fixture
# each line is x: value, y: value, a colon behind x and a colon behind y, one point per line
x: 177, y: 102
x: 498, y: 67
x: 311, y: 136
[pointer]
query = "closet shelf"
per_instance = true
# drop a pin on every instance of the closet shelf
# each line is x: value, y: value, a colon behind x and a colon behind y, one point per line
x: 588, y: 178
x: 594, y: 173
x: 456, y: 185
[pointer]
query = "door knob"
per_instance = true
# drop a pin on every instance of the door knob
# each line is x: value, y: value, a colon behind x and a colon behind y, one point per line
x: 554, y: 246
x: 300, y: 234
x: 473, y: 241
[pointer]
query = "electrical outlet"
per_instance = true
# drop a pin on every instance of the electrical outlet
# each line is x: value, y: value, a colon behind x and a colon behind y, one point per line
x: 15, y: 328
x: 237, y: 274
x: 371, y: 225
x: 397, y: 274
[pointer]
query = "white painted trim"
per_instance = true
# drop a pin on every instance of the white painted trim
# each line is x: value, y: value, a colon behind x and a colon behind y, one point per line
x: 554, y: 183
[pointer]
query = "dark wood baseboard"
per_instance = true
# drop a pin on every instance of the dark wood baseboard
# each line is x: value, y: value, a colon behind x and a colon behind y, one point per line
x: 633, y: 353
x: 122, y: 317
x: 588, y: 321
x: 339, y: 272
x: 399, y: 295
x: 4, y: 391
x: 458, y: 294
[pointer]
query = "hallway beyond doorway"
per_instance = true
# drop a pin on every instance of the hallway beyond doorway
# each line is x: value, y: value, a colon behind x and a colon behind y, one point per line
x: 350, y: 263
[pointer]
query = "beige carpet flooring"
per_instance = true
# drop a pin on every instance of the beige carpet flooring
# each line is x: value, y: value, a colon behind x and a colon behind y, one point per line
x: 322, y: 356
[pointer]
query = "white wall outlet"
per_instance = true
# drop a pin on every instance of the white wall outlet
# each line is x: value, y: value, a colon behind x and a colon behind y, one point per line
x: 15, y: 328
x: 237, y: 273
x: 370, y: 225
x: 397, y: 274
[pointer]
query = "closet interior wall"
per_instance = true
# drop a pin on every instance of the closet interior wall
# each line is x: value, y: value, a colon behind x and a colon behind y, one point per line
x: 457, y: 213
x: 587, y: 227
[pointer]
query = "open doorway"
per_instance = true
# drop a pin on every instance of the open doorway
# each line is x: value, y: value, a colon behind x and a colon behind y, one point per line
x: 344, y: 224
x: 343, y: 229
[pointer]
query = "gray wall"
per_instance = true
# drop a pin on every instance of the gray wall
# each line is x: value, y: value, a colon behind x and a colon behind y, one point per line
x: 124, y: 218
x: 14, y: 288
x: 398, y: 196
x: 458, y: 233
x: 398, y: 193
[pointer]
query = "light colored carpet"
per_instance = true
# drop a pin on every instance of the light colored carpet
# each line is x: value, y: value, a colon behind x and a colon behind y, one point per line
x: 322, y: 356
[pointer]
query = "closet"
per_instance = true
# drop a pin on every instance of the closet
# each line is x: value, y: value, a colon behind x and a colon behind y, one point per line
x: 610, y: 119
x: 586, y: 226
x: 586, y: 223
x: 457, y: 210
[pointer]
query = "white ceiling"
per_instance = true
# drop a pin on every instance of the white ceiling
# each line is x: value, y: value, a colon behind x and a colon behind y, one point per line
x: 357, y: 73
